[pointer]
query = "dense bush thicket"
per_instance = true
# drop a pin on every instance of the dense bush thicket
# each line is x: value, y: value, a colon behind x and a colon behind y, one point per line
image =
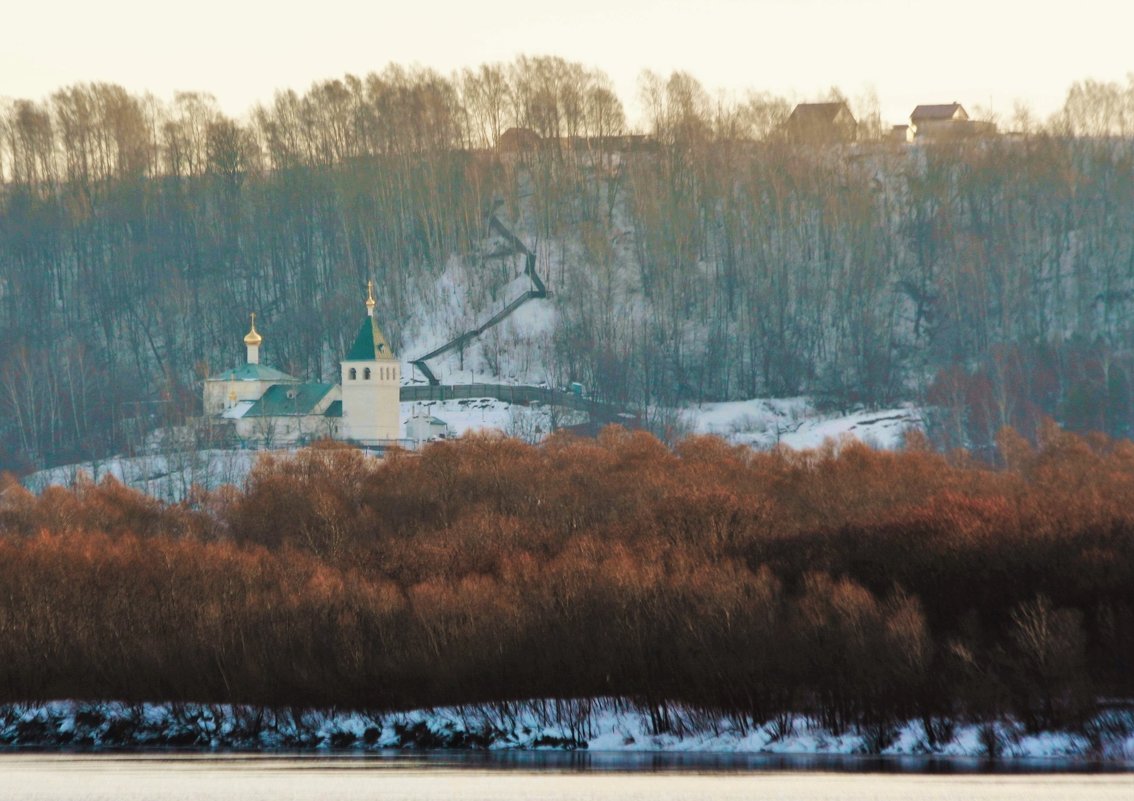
x: 856, y: 585
x: 710, y: 260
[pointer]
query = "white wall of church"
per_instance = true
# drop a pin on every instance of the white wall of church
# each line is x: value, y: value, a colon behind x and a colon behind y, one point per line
x: 269, y: 432
x: 371, y: 409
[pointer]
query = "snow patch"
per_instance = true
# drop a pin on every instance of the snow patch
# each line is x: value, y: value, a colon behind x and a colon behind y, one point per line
x: 794, y: 422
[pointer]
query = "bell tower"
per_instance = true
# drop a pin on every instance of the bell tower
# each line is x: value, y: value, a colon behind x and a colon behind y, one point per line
x: 371, y: 382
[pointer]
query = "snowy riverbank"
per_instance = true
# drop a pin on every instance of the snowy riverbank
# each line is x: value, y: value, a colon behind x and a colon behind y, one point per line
x: 599, y: 726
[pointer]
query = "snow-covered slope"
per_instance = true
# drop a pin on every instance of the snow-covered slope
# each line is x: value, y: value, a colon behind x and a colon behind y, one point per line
x: 516, y: 351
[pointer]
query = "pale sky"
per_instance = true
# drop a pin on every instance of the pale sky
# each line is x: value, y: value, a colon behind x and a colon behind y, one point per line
x: 982, y: 53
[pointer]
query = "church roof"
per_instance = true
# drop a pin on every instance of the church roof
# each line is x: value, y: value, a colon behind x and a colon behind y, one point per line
x: 253, y: 372
x: 289, y: 399
x: 334, y: 410
x: 238, y: 410
x: 370, y: 344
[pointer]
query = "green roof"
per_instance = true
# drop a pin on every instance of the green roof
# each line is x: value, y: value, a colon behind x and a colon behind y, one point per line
x: 253, y: 372
x: 334, y: 410
x: 370, y: 344
x: 289, y: 399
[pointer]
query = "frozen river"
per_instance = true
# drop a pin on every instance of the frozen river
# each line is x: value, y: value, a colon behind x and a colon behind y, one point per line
x: 488, y: 777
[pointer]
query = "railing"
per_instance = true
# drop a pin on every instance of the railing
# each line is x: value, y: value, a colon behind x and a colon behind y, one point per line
x: 540, y: 291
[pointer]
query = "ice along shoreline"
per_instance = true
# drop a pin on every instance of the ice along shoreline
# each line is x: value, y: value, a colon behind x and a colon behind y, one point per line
x: 603, y: 725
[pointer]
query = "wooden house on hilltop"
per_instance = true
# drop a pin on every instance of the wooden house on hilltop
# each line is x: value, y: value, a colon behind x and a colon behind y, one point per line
x: 947, y: 121
x: 821, y: 124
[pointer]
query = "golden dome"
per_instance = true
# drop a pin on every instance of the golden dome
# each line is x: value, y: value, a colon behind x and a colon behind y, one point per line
x: 370, y: 302
x: 253, y: 337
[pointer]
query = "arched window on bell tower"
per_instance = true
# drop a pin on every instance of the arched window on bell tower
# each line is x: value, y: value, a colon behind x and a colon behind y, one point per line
x: 353, y: 374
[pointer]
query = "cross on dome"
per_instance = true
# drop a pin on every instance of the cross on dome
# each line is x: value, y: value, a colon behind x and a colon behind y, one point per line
x: 253, y: 338
x: 370, y: 302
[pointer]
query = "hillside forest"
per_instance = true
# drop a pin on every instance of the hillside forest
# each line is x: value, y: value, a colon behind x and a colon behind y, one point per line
x: 861, y: 588
x: 699, y: 255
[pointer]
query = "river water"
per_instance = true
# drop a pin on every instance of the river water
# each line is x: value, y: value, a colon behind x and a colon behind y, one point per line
x: 551, y: 777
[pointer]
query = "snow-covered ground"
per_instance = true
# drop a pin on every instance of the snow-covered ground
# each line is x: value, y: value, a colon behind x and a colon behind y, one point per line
x: 599, y: 725
x: 490, y: 414
x: 168, y: 476
x: 762, y: 423
x: 795, y: 422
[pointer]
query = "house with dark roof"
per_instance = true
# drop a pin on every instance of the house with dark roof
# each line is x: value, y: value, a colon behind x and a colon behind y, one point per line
x: 946, y: 121
x: 821, y: 124
x: 518, y: 140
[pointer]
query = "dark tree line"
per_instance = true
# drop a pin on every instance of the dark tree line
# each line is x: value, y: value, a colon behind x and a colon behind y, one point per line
x: 857, y: 586
x: 707, y: 258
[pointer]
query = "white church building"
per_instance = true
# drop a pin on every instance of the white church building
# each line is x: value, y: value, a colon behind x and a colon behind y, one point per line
x: 265, y: 407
